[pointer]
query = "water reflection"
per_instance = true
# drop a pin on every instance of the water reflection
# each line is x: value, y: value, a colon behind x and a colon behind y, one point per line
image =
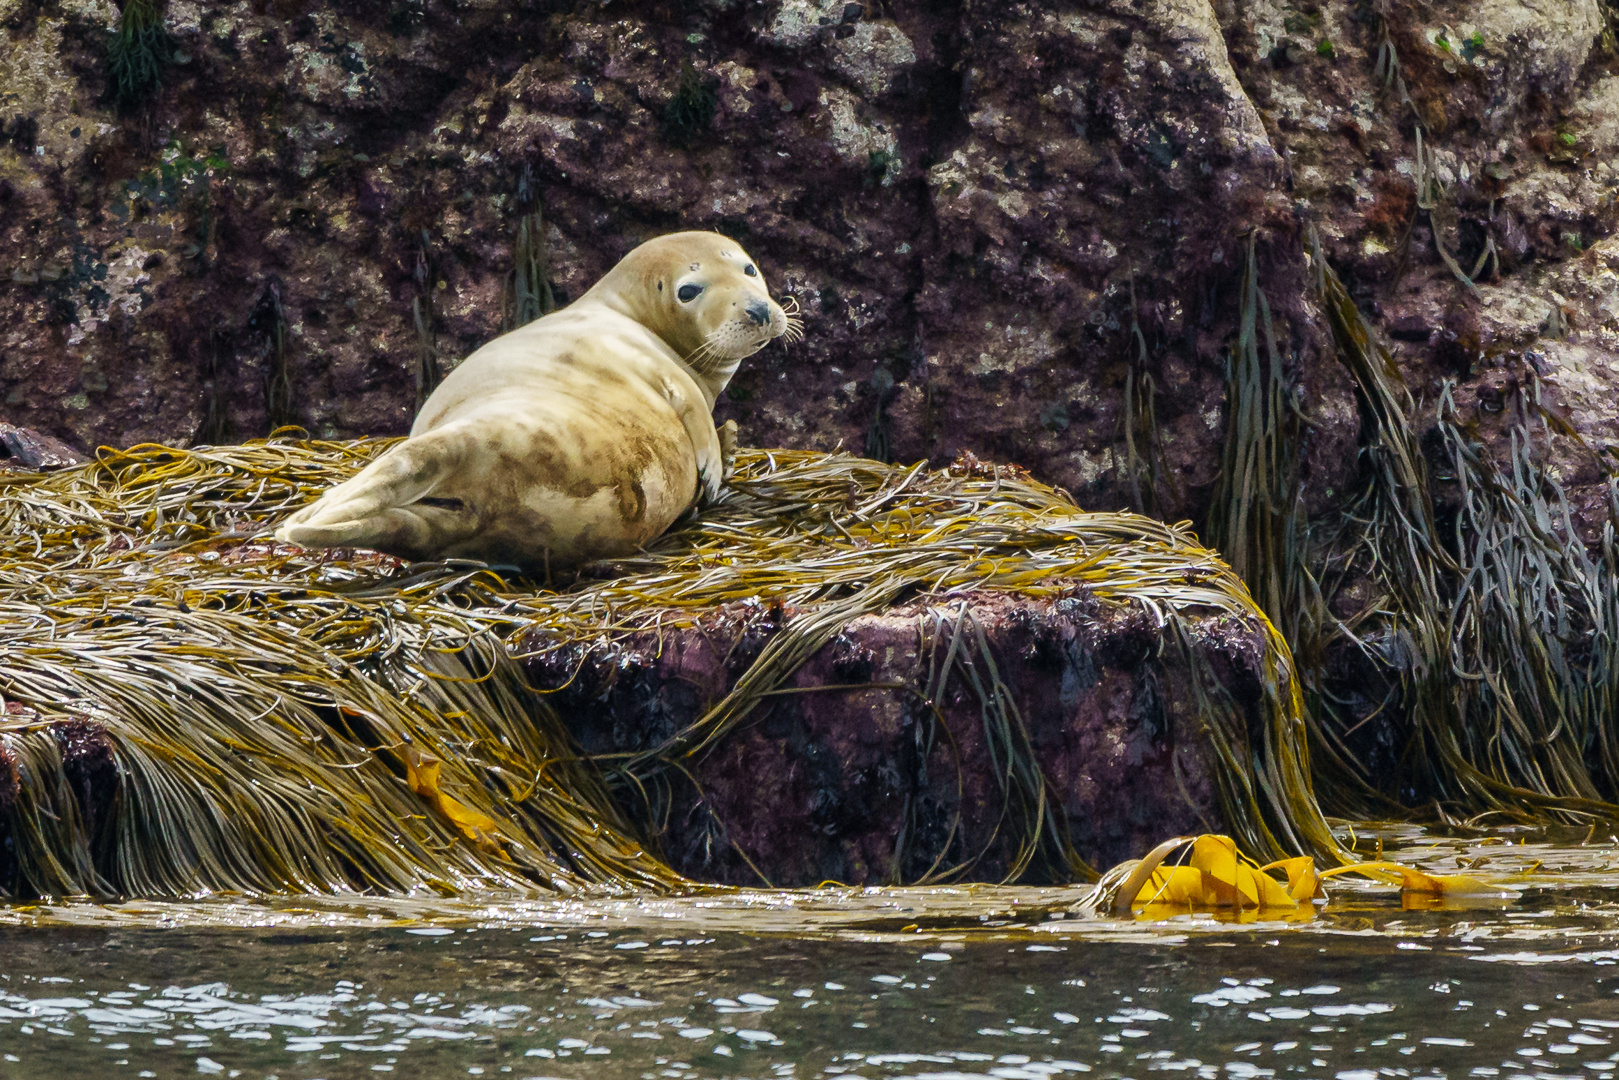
x: 869, y: 984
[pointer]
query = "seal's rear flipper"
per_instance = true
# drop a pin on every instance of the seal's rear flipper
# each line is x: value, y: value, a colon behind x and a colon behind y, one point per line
x: 382, y: 507
x: 401, y: 531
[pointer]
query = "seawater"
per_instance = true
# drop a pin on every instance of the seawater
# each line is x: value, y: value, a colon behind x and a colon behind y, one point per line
x: 928, y: 983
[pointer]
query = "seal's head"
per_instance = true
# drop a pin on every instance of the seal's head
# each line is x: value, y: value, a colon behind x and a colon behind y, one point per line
x: 703, y: 295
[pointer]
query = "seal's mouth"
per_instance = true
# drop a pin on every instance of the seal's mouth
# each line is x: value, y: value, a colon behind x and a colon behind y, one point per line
x: 736, y: 340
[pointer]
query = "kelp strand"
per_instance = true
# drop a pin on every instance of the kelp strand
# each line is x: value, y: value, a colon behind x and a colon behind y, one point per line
x: 1256, y: 519
x: 1500, y: 643
x: 292, y: 721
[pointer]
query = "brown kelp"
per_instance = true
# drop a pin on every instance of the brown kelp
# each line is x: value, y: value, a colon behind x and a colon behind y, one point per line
x: 1256, y: 520
x: 1143, y: 445
x: 1496, y: 635
x: 281, y: 723
x: 287, y: 721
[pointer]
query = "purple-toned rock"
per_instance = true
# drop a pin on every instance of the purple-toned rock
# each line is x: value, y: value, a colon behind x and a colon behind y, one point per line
x: 25, y: 448
x: 859, y: 768
x: 91, y: 771
x: 975, y: 203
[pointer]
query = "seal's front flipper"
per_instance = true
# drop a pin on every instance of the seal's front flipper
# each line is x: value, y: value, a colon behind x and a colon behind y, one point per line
x: 402, y: 531
x: 388, y: 506
x: 727, y: 434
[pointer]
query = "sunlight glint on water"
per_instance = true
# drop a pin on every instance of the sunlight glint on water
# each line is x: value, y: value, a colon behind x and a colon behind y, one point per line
x: 938, y: 984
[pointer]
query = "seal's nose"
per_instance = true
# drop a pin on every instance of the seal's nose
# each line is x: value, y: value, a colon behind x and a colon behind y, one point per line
x: 759, y: 312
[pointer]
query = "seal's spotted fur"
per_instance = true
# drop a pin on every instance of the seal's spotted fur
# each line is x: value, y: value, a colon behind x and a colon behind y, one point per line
x: 582, y: 435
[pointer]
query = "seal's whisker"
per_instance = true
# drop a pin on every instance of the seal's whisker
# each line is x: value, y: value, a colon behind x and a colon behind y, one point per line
x: 706, y: 353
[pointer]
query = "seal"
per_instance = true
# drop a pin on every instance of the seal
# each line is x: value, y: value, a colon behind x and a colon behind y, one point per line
x: 582, y: 435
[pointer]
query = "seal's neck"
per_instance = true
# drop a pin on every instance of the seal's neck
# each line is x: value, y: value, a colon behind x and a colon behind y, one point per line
x: 711, y: 374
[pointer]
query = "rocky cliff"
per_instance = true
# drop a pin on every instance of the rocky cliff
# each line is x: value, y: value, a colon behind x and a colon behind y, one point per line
x: 1003, y: 221
x: 1136, y: 247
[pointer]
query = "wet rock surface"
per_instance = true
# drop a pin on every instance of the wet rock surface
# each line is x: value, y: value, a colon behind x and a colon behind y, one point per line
x: 847, y: 773
x: 24, y: 448
x: 976, y: 204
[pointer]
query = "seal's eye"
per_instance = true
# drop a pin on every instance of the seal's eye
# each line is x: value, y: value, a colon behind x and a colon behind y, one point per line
x: 688, y: 293
x: 750, y: 271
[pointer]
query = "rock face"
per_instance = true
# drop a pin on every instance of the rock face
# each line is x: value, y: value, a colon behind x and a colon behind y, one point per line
x: 1016, y: 229
x: 847, y: 774
x: 975, y: 203
x: 24, y: 448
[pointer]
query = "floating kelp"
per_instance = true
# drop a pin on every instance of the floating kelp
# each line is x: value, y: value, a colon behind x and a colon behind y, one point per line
x: 1208, y: 873
x: 286, y: 721
x: 1213, y: 875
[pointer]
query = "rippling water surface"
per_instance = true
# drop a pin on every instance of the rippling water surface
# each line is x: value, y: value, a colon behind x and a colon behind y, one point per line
x: 874, y: 983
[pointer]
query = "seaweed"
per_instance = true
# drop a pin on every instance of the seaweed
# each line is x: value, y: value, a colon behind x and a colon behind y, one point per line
x: 1501, y: 643
x: 279, y: 723
x: 879, y: 441
x: 138, y: 50
x: 1143, y: 447
x: 278, y: 405
x: 215, y: 429
x: 325, y: 722
x: 528, y: 290
x: 843, y: 537
x: 690, y: 111
x: 1387, y: 531
x: 428, y: 375
x: 1255, y: 517
x: 428, y: 372
x: 1531, y: 632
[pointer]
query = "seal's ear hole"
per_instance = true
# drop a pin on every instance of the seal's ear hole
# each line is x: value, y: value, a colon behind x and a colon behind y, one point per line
x: 750, y: 271
x: 688, y: 293
x: 660, y: 286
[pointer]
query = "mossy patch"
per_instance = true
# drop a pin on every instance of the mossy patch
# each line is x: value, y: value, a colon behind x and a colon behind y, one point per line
x: 138, y: 50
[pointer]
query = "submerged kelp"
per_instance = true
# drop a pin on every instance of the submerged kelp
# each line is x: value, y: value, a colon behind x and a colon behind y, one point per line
x: 284, y: 721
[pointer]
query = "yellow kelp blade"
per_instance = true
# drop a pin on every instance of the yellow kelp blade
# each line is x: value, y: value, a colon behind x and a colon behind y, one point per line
x: 421, y: 773
x: 1119, y: 886
x: 1269, y: 891
x: 1189, y: 886
x: 1303, y: 879
x: 1216, y: 875
x: 1414, y: 881
x: 1180, y: 885
x: 1216, y: 857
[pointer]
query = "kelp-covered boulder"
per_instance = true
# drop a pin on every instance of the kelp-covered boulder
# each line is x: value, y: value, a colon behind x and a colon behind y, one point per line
x: 936, y: 674
x: 982, y: 736
x: 1083, y: 237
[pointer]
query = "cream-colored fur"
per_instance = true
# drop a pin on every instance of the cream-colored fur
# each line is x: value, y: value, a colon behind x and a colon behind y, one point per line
x: 582, y: 435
